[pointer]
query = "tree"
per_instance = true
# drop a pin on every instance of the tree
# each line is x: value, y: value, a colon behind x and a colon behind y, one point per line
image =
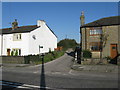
x: 67, y: 43
x: 103, y: 40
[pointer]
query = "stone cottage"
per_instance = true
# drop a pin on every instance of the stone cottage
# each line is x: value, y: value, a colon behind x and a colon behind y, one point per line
x: 101, y: 37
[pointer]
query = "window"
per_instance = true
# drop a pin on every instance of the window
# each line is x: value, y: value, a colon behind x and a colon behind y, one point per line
x: 95, y: 46
x: 17, y: 50
x: 95, y: 31
x: 16, y: 37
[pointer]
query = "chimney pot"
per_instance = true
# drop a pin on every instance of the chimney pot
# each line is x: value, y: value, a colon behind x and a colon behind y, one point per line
x: 14, y: 24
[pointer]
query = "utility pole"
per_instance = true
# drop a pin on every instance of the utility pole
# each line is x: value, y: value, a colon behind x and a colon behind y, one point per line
x: 66, y: 37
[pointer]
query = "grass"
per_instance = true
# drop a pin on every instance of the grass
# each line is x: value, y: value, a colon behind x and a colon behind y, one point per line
x: 36, y: 59
x: 48, y: 57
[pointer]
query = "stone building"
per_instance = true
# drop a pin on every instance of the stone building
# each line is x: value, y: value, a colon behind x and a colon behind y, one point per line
x: 101, y: 37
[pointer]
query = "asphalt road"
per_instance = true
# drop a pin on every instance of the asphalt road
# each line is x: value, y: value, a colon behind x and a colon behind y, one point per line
x: 55, y: 75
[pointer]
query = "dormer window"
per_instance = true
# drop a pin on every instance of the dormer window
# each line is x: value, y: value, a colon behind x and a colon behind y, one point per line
x: 17, y: 37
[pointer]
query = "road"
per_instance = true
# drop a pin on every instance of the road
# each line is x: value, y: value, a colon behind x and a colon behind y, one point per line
x: 55, y: 75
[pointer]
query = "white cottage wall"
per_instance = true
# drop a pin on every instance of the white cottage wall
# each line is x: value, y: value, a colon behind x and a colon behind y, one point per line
x: 42, y: 36
x: 9, y: 43
x: 0, y: 45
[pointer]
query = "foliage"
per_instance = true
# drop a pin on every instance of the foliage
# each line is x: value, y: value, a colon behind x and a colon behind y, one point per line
x: 12, y: 53
x: 36, y: 59
x: 87, y: 54
x: 108, y: 58
x: 67, y: 43
x: 16, y: 53
x: 50, y: 50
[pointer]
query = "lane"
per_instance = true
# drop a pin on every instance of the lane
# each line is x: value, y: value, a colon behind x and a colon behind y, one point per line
x: 58, y: 75
x: 15, y: 85
x: 66, y: 81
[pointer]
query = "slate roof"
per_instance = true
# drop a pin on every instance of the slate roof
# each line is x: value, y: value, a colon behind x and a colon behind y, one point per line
x: 21, y: 29
x: 108, y: 21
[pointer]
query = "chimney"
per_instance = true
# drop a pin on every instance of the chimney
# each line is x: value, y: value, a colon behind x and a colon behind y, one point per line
x: 14, y: 24
x: 82, y: 18
x: 40, y: 23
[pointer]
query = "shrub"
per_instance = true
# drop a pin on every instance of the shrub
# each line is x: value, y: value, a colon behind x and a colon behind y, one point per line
x: 108, y: 58
x: 16, y: 53
x: 12, y: 53
x: 87, y: 54
x: 27, y: 60
x: 36, y: 59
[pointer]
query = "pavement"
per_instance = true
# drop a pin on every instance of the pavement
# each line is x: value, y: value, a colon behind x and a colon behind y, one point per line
x: 95, y: 68
x: 15, y: 65
x: 75, y: 66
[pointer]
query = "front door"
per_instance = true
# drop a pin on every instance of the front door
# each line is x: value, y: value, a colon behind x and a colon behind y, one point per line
x: 113, y: 48
x: 8, y: 52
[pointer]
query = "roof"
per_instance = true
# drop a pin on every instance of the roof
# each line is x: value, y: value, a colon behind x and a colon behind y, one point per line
x: 108, y: 21
x: 21, y: 29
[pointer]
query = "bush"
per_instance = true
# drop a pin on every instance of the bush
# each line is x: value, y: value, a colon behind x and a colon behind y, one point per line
x: 27, y: 60
x: 87, y: 54
x: 16, y: 53
x: 108, y: 58
x: 36, y: 59
x: 12, y: 53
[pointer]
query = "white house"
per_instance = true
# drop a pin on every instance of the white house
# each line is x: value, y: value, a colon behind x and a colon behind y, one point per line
x: 27, y: 40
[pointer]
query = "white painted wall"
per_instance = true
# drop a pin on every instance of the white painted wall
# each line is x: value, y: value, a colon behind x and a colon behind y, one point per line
x: 23, y: 44
x: 0, y: 44
x: 28, y: 45
x: 44, y: 37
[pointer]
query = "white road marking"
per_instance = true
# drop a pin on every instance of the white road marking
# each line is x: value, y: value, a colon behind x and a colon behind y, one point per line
x: 70, y: 72
x: 35, y: 72
x: 20, y: 85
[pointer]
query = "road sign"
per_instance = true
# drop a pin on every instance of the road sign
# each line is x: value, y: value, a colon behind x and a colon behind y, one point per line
x: 40, y: 46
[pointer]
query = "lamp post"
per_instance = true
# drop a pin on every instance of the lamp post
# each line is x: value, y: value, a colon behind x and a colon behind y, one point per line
x: 39, y: 49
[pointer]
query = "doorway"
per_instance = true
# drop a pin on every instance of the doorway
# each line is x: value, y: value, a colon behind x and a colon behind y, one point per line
x: 8, y: 52
x: 113, y: 49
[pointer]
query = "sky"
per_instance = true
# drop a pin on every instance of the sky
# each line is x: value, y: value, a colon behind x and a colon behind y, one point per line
x: 62, y: 17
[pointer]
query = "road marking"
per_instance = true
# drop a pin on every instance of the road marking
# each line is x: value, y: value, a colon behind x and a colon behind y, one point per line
x: 70, y: 72
x: 56, y: 72
x: 35, y: 72
x: 20, y: 85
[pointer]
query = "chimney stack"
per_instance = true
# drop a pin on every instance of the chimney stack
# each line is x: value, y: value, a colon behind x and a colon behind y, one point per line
x: 14, y: 24
x: 40, y: 23
x: 82, y: 18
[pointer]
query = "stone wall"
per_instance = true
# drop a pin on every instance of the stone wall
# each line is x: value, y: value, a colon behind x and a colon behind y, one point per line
x: 119, y: 39
x: 13, y: 59
x: 113, y: 38
x: 93, y: 61
x: 112, y: 31
x: 20, y: 59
